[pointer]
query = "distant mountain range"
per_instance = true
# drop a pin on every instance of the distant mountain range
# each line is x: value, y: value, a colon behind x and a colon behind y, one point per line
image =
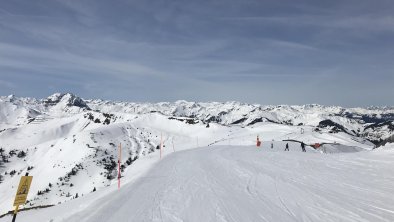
x: 373, y: 123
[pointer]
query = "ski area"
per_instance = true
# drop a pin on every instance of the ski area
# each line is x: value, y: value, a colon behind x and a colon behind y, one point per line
x: 245, y: 183
x: 196, y: 111
x: 95, y: 160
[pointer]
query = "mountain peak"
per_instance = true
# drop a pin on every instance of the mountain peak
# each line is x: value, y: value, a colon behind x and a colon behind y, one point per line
x: 11, y: 97
x: 68, y: 99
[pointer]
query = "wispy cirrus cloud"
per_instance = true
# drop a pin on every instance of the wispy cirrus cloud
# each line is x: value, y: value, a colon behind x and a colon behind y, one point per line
x: 169, y: 50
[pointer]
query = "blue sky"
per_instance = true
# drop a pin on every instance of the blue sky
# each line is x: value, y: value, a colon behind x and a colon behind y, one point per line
x: 256, y: 51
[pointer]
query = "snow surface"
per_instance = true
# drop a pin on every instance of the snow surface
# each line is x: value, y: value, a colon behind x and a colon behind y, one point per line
x: 71, y: 147
x: 245, y: 183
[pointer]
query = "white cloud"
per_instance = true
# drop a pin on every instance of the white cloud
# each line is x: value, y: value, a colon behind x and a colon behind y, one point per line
x: 42, y: 59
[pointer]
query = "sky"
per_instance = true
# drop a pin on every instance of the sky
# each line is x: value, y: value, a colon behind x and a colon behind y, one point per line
x: 337, y: 52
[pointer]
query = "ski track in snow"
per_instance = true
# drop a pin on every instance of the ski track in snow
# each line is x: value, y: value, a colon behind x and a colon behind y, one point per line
x: 248, y: 184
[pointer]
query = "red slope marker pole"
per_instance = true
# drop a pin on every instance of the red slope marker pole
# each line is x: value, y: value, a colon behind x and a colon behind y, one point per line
x: 119, y: 160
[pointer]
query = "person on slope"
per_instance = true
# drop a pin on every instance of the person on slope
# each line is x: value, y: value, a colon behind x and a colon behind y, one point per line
x: 287, y: 147
x: 303, y: 147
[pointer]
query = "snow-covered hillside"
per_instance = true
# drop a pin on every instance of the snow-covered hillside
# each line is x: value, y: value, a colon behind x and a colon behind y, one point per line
x: 70, y: 145
x: 242, y: 183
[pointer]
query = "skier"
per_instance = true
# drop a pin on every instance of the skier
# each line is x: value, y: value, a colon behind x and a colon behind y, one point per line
x: 303, y: 147
x: 258, y: 142
x: 287, y: 147
x: 272, y: 145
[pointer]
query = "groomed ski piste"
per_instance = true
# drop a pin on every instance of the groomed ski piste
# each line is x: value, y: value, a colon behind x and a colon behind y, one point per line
x: 214, y: 173
x: 242, y: 183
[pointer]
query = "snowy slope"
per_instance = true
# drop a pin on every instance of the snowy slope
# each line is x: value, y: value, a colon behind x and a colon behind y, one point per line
x: 70, y: 145
x: 245, y: 183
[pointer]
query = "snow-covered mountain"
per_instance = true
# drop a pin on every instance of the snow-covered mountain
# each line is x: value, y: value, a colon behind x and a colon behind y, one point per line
x: 70, y: 145
x: 374, y: 123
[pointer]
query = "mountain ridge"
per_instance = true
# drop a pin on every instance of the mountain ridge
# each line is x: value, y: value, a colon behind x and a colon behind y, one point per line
x: 355, y: 120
